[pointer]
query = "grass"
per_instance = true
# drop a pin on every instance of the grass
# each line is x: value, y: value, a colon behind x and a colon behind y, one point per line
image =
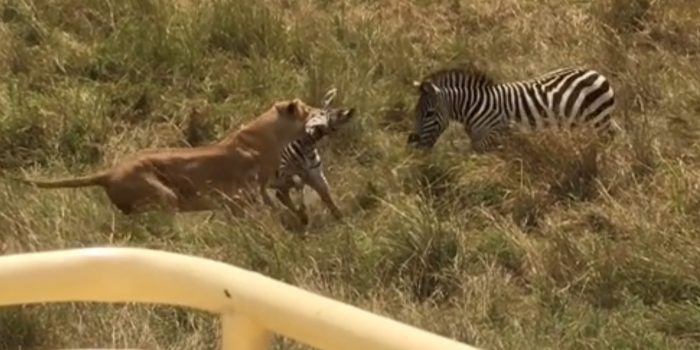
x: 552, y: 243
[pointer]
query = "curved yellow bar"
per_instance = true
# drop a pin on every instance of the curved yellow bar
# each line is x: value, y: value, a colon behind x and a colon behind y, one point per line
x: 250, y: 303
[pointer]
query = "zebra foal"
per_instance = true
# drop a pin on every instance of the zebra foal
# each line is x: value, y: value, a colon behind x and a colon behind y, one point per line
x: 562, y: 98
x: 301, y: 162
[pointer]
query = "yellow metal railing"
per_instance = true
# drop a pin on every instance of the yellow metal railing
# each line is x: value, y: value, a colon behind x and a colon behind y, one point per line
x: 251, y: 305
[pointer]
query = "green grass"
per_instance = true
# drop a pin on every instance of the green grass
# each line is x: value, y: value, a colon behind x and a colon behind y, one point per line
x: 537, y: 247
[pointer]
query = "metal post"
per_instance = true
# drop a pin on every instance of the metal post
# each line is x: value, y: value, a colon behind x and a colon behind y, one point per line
x: 241, y: 333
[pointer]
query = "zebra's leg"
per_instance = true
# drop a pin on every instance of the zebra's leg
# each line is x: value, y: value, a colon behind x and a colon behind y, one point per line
x: 317, y: 181
x: 486, y: 141
x: 480, y: 146
x: 297, y: 183
x: 477, y: 140
x: 607, y: 129
x: 283, y: 196
x: 304, y: 217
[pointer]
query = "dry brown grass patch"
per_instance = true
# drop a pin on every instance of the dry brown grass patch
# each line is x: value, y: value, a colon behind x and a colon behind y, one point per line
x: 565, y: 163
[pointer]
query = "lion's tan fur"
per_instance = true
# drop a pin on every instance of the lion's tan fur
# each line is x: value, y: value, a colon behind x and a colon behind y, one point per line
x: 188, y: 179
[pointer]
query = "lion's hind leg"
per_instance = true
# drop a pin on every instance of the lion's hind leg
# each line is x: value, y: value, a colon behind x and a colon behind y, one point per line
x: 139, y: 193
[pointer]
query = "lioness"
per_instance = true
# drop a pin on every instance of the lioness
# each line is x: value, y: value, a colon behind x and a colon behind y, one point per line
x: 187, y: 179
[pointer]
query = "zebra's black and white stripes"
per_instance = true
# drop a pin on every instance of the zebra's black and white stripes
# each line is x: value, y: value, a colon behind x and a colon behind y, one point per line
x: 562, y: 98
x: 301, y: 165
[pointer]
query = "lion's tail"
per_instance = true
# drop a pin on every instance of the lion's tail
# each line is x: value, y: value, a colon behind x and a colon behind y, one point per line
x: 97, y: 179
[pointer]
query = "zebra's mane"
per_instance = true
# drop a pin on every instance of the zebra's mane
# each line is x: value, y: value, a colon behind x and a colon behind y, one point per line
x: 471, y: 72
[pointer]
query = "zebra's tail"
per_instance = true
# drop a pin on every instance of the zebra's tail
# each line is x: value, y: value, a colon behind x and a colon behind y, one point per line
x: 612, y: 132
x: 615, y: 130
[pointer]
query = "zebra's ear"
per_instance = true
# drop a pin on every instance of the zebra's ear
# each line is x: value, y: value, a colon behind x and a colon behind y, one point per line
x: 346, y: 115
x: 427, y: 87
x: 329, y: 97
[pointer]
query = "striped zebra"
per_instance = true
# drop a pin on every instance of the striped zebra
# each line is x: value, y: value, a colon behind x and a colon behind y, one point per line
x: 562, y: 98
x: 301, y: 162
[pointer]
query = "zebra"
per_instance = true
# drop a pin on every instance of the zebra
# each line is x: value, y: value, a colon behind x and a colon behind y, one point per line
x: 301, y: 165
x: 564, y: 98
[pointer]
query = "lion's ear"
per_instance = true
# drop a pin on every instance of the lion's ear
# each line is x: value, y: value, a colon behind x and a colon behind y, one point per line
x: 288, y: 109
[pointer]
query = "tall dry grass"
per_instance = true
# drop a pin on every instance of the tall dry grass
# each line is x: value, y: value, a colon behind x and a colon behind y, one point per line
x: 552, y: 243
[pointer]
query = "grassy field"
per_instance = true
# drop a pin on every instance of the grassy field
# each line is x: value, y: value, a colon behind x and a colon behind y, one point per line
x: 537, y: 247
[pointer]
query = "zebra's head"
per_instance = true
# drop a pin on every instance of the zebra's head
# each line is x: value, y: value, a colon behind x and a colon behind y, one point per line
x: 428, y: 122
x: 327, y: 120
